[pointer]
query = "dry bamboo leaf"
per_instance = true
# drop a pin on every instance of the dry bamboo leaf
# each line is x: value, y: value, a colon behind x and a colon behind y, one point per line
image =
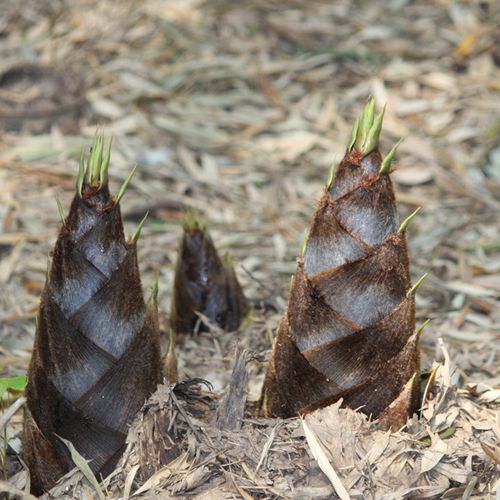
x: 492, y: 451
x: 83, y: 467
x: 266, y: 448
x: 8, y: 488
x: 324, y: 463
x: 178, y: 464
x: 129, y: 481
x: 430, y: 459
x: 470, y: 289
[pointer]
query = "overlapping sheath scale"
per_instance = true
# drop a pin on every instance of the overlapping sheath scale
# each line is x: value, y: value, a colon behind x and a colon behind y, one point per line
x: 349, y: 331
x: 96, y: 356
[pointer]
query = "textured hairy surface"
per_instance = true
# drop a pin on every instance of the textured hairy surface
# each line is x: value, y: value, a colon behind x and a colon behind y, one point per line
x: 349, y: 331
x: 204, y: 283
x: 96, y: 356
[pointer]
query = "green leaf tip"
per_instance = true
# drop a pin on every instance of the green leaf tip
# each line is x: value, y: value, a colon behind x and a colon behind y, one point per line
x: 95, y: 159
x: 365, y: 135
x: 354, y: 135
x: 227, y: 259
x: 171, y: 340
x: 331, y: 176
x: 373, y: 137
x: 193, y: 221
x: 414, y: 288
x: 304, y: 245
x: 154, y: 288
x: 103, y: 172
x: 124, y: 186
x: 419, y: 330
x: 365, y: 123
x: 404, y: 224
x: 94, y: 171
x: 60, y: 210
x: 138, y: 230
x: 153, y: 296
x: 387, y: 161
x: 81, y: 176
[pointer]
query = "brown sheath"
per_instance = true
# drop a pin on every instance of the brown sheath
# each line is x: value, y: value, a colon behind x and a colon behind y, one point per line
x: 96, y: 356
x: 349, y: 331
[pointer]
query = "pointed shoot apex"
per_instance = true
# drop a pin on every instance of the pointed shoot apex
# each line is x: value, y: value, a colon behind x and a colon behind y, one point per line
x: 372, y: 139
x: 124, y: 186
x: 365, y: 123
x: 193, y: 221
x: 414, y: 288
x: 94, y: 171
x: 60, y: 210
x: 404, y: 224
x: 386, y: 162
x: 138, y: 230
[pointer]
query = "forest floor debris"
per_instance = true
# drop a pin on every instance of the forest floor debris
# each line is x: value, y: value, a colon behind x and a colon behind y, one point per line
x: 238, y: 111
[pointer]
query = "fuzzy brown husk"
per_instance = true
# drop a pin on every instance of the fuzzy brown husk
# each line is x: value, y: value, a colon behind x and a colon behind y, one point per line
x: 349, y: 331
x: 206, y: 284
x: 96, y: 356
